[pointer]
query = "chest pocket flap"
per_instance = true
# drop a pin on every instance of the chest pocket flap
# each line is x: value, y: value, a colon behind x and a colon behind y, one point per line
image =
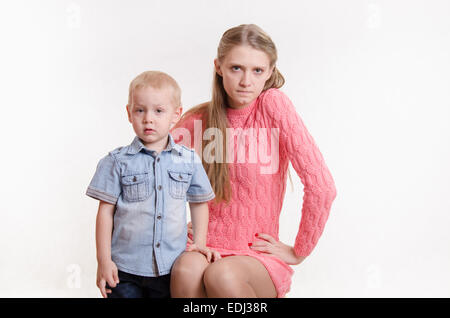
x: 136, y: 187
x: 179, y: 183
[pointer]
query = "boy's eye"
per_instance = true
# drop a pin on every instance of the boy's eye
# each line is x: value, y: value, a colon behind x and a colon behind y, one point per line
x: 235, y: 68
x: 159, y: 110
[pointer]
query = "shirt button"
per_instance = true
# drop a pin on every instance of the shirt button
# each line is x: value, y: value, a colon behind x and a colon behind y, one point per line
x: 134, y: 179
x: 159, y: 187
x: 158, y: 245
x: 180, y: 176
x: 159, y: 217
x: 157, y: 159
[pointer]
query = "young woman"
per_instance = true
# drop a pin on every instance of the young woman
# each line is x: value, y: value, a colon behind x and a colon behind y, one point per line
x: 243, y: 222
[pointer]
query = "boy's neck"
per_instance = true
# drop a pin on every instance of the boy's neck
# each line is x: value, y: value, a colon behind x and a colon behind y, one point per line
x: 158, y: 146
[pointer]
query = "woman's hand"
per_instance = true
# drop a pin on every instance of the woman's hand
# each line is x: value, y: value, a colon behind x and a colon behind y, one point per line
x: 267, y: 244
x: 210, y: 254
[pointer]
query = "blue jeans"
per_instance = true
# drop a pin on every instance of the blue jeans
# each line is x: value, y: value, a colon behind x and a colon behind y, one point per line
x: 134, y: 286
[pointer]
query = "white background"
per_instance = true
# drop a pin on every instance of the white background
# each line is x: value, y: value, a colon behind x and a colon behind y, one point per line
x: 369, y: 78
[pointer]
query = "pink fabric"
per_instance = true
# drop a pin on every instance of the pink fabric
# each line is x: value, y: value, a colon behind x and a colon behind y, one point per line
x: 257, y: 198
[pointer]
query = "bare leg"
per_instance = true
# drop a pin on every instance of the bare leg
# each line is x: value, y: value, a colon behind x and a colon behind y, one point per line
x: 187, y: 276
x: 238, y: 277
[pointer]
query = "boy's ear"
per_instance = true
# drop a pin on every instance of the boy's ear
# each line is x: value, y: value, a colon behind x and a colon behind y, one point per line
x: 217, y: 67
x: 129, y: 112
x: 177, y: 114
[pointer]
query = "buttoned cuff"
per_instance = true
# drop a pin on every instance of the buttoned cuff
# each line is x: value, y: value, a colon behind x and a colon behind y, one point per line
x: 99, y: 195
x: 200, y: 197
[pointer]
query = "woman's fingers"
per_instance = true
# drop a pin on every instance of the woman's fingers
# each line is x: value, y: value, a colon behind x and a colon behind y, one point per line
x: 264, y: 246
x: 261, y: 246
x: 266, y: 237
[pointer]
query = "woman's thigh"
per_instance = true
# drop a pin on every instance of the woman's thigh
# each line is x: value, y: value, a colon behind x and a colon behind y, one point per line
x: 243, y: 269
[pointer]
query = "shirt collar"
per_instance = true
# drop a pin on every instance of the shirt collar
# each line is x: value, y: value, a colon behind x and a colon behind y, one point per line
x: 137, y: 145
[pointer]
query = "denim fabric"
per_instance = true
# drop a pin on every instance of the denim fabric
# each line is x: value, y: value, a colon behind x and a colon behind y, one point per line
x: 150, y: 192
x: 134, y: 286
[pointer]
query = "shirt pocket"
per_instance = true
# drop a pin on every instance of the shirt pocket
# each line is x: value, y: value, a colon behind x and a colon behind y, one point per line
x: 136, y: 187
x: 179, y: 182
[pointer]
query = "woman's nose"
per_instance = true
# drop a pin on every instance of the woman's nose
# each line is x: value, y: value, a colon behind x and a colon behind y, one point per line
x: 245, y: 80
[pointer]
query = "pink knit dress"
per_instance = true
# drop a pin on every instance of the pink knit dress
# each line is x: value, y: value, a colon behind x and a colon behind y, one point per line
x: 257, y: 197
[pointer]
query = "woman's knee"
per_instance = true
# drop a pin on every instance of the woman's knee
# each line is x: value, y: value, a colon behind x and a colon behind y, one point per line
x: 187, y: 276
x: 237, y: 276
x: 189, y: 265
x: 222, y: 276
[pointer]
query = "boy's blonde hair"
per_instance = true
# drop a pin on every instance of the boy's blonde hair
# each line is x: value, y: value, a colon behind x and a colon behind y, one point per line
x: 158, y: 80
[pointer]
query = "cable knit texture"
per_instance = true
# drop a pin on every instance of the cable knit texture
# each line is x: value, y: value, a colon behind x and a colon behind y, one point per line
x: 257, y: 197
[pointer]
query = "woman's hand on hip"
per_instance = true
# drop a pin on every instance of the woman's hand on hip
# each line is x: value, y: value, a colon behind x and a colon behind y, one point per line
x: 267, y: 244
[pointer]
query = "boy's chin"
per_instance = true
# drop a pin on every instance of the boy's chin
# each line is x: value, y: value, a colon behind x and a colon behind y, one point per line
x: 146, y: 138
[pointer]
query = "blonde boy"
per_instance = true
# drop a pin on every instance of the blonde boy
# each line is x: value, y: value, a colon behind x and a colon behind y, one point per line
x: 143, y: 189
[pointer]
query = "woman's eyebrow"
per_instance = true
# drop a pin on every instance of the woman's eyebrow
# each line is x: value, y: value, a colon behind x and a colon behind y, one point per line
x: 242, y: 66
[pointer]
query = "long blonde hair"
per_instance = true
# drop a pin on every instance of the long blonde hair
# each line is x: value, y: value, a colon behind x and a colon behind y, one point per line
x: 214, y: 112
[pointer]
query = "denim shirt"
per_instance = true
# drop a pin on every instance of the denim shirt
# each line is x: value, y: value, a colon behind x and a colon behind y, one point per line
x: 150, y: 191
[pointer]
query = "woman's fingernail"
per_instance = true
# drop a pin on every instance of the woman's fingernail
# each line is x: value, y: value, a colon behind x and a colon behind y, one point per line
x: 256, y: 234
x: 249, y: 244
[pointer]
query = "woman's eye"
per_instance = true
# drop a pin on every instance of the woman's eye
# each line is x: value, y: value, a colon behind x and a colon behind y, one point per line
x: 159, y: 110
x: 258, y: 70
x: 235, y: 68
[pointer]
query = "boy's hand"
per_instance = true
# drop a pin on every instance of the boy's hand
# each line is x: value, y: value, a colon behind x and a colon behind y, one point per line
x: 107, y: 272
x: 190, y: 233
x: 210, y: 254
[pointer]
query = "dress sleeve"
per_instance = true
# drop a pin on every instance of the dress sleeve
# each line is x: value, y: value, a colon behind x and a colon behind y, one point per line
x: 307, y: 160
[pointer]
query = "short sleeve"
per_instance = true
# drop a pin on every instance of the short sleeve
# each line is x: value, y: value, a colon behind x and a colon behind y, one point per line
x: 200, y: 189
x: 105, y: 185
